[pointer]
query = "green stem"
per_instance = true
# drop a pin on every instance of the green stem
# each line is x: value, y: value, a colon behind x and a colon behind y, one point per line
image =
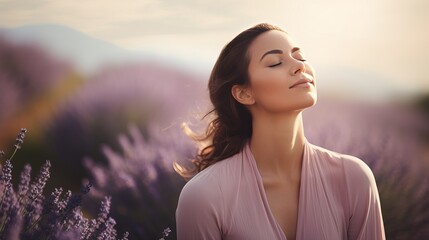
x: 13, y: 154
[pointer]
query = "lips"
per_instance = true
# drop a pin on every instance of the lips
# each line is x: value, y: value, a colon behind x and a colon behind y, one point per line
x: 303, y: 80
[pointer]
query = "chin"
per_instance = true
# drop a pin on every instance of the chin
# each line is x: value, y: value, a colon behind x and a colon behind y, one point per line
x: 306, y: 102
x: 313, y: 101
x: 310, y: 98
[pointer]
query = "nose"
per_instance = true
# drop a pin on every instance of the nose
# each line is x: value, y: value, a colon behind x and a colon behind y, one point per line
x: 299, y: 66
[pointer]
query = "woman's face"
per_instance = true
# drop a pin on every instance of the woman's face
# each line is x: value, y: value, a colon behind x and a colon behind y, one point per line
x: 276, y: 66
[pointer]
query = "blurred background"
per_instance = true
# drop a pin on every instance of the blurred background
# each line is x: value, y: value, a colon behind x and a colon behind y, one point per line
x: 104, y: 86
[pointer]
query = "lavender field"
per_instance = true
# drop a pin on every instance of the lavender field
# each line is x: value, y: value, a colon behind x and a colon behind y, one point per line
x: 118, y: 132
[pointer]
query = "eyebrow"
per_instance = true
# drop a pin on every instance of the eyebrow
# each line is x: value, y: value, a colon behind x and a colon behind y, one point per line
x: 278, y: 51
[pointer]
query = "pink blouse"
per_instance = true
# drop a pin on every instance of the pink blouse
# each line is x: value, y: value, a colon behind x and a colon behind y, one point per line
x: 338, y: 199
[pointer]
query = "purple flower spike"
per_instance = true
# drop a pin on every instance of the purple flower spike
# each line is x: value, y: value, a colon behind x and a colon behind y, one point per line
x: 125, y: 236
x: 165, y: 233
x: 87, y: 188
x: 20, y: 138
x: 6, y: 176
x: 24, y: 184
x: 39, y: 184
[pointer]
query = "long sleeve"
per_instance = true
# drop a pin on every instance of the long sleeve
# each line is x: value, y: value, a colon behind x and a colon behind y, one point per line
x: 197, y: 213
x: 365, y: 222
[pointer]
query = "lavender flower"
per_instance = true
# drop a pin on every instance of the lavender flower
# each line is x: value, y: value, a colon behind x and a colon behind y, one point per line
x: 73, y: 202
x: 63, y: 202
x: 165, y: 233
x: 85, y: 189
x: 104, y: 209
x: 90, y: 229
x: 13, y: 223
x: 8, y: 201
x: 98, y: 227
x: 125, y: 236
x: 20, y: 138
x: 6, y: 175
x: 27, y: 214
x: 5, y: 180
x: 77, y: 221
x: 24, y: 184
x: 32, y: 212
x: 141, y: 179
x: 13, y: 226
x: 52, y: 203
x: 36, y: 187
x: 19, y: 142
x: 107, y: 230
x: 71, y: 234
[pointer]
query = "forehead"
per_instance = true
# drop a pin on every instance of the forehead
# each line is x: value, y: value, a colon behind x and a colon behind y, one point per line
x: 270, y: 40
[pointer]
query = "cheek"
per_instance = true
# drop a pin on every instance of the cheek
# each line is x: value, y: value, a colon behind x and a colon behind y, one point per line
x: 271, y: 86
x: 272, y: 96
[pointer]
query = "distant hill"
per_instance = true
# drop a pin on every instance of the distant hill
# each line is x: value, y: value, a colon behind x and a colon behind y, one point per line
x: 85, y: 52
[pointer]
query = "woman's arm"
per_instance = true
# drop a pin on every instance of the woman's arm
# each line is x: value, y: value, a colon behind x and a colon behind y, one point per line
x: 366, y: 221
x: 197, y: 213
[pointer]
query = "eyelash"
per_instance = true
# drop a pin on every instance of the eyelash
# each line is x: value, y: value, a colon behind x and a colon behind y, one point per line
x: 277, y: 64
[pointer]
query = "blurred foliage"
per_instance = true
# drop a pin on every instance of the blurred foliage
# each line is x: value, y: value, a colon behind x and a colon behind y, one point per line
x: 140, y: 179
x: 72, y: 116
x: 422, y: 102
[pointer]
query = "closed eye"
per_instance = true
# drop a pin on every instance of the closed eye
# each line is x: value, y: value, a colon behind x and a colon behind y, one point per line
x: 274, y: 65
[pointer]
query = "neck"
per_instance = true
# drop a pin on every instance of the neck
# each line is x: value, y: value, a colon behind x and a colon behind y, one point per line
x: 277, y: 143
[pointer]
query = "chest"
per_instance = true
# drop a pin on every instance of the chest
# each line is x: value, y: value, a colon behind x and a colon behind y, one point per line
x: 252, y: 209
x: 283, y: 201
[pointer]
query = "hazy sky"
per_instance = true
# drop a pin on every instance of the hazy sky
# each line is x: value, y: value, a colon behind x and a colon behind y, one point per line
x: 388, y: 38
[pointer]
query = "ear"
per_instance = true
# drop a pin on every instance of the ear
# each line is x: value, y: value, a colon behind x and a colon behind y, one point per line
x: 242, y: 94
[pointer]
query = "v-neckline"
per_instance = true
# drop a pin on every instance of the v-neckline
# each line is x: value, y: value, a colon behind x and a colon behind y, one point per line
x: 264, y: 195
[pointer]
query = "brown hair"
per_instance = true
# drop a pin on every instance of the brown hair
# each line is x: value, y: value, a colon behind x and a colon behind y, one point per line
x: 231, y: 127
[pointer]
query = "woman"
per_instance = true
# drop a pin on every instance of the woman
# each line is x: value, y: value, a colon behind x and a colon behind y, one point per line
x: 259, y: 178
